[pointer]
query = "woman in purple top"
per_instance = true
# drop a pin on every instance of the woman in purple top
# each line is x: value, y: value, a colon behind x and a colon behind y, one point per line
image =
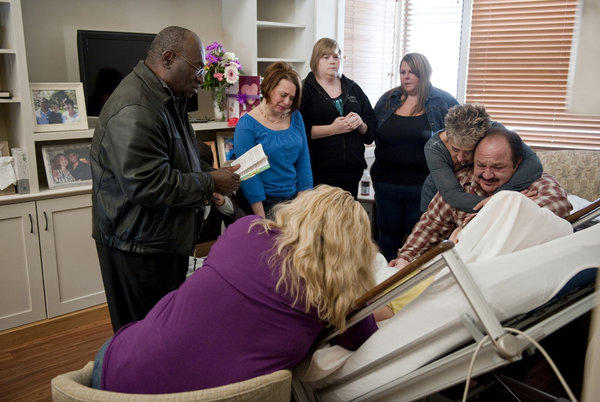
x: 265, y: 292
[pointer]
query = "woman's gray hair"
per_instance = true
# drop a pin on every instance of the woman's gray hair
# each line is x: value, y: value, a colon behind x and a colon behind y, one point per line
x: 466, y: 124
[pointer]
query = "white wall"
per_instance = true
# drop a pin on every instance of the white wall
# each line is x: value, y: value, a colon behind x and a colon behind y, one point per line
x: 51, y: 27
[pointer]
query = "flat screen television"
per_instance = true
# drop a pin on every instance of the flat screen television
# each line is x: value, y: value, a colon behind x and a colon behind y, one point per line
x: 105, y: 58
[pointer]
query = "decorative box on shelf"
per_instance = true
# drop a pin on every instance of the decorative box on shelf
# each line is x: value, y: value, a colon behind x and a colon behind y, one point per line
x: 7, y: 173
x: 243, y: 96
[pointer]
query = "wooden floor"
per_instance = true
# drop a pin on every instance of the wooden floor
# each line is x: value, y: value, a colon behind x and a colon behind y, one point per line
x: 30, y: 356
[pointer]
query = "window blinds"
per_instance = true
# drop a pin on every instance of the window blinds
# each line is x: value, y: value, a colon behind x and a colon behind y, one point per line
x: 369, y: 42
x: 432, y: 28
x: 518, y: 66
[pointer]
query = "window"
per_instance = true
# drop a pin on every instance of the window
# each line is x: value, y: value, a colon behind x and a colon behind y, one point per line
x: 378, y: 33
x: 369, y: 45
x: 518, y: 66
x: 432, y: 28
x: 518, y: 58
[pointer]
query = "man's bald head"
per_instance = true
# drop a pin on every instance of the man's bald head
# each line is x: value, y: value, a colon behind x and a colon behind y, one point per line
x: 175, y: 55
x: 170, y: 38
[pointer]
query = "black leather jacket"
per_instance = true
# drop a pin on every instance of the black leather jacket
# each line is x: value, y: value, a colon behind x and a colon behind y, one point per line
x: 149, y: 185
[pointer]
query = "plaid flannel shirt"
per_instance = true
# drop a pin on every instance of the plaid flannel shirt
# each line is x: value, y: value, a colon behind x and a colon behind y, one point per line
x: 440, y: 219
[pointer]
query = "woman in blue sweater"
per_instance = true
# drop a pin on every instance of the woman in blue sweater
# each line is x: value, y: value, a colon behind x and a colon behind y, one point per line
x: 276, y: 124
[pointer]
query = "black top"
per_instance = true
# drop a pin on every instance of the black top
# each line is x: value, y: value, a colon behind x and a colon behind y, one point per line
x: 399, y: 156
x: 341, y: 152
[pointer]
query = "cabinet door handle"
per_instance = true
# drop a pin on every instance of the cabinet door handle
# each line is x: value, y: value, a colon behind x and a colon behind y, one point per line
x: 30, y: 223
x: 46, y: 219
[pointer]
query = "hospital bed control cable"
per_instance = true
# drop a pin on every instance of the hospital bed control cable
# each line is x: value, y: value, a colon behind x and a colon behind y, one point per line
x: 537, y: 345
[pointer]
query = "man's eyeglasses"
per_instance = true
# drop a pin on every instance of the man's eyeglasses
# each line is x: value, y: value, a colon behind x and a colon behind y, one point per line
x: 197, y: 71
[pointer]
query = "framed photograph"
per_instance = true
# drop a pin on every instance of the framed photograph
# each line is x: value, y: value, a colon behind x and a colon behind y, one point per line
x: 225, y: 147
x: 213, y: 150
x: 58, y: 106
x: 67, y: 165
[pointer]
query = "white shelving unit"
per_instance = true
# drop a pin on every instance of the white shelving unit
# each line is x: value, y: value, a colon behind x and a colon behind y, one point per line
x: 63, y: 135
x: 276, y: 25
x: 211, y: 125
x: 16, y: 113
x: 266, y: 31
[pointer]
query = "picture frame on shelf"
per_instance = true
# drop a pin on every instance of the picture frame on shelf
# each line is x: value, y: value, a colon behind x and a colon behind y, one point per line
x: 213, y: 150
x: 67, y: 165
x: 225, y: 147
x: 58, y: 106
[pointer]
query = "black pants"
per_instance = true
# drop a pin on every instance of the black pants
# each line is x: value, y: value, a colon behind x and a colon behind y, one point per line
x: 271, y: 201
x: 134, y: 282
x: 347, y: 180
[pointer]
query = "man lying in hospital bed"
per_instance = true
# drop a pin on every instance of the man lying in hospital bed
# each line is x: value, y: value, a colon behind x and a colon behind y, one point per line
x: 514, y: 274
x: 497, y: 157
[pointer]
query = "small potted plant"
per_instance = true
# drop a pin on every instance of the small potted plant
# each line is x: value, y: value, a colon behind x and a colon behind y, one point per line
x: 222, y: 70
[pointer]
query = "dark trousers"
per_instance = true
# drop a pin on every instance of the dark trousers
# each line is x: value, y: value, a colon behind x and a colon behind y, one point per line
x: 271, y: 201
x: 398, y: 210
x: 347, y: 180
x: 135, y: 282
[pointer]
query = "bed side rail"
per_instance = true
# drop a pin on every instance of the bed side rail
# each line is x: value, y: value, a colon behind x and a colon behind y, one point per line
x: 425, y: 265
x: 582, y: 216
x: 429, y: 263
x: 402, y: 273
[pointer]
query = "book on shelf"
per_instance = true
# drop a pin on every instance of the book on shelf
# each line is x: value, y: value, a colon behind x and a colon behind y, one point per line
x: 252, y: 162
x: 5, y: 94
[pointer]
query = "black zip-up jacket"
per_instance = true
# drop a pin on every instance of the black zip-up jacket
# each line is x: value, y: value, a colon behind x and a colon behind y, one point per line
x: 341, y: 152
x: 149, y: 186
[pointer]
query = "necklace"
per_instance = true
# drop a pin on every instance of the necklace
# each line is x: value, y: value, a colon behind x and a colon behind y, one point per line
x: 266, y: 116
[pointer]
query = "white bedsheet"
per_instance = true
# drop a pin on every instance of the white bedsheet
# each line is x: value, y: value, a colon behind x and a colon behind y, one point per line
x: 512, y: 283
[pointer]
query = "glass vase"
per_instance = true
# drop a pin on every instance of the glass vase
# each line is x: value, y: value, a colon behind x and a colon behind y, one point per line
x: 219, y: 100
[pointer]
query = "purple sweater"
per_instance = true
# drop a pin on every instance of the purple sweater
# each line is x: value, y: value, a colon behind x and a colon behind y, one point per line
x: 224, y: 324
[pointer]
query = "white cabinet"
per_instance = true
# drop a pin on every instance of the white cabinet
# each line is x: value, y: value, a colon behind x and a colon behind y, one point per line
x: 49, y: 239
x: 72, y: 278
x: 21, y: 286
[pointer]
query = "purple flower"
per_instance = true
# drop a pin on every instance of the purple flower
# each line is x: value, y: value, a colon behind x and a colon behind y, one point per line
x: 214, y: 45
x: 211, y: 59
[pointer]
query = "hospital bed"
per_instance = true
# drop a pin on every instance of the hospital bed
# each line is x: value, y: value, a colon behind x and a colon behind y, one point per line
x: 415, y: 353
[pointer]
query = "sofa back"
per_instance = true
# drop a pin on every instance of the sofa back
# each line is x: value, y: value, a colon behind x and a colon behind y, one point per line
x: 577, y: 171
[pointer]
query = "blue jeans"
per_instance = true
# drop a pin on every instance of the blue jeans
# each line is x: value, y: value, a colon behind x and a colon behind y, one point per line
x: 398, y: 209
x: 97, y: 372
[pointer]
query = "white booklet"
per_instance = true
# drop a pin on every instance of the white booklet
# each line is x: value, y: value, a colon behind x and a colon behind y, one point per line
x: 252, y: 162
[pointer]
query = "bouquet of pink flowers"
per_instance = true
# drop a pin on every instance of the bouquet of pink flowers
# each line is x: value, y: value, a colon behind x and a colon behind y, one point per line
x: 222, y: 70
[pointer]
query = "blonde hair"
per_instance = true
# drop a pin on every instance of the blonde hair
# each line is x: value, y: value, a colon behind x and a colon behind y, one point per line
x: 322, y: 47
x: 420, y: 67
x: 466, y: 124
x: 325, y: 251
